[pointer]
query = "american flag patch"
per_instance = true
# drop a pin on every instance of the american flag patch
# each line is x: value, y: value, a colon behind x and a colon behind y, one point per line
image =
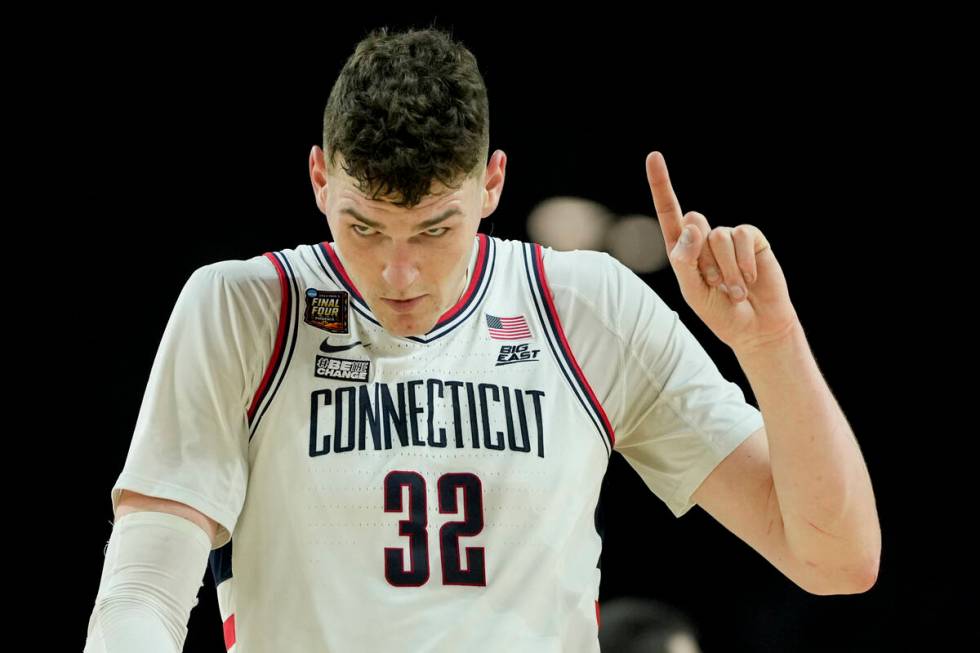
x: 507, y: 328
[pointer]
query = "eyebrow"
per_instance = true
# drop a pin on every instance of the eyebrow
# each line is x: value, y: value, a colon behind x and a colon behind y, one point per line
x: 422, y: 225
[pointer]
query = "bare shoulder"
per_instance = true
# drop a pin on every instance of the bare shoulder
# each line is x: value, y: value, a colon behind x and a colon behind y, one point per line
x: 134, y: 501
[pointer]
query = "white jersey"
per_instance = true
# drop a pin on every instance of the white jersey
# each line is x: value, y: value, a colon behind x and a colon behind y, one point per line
x: 429, y: 493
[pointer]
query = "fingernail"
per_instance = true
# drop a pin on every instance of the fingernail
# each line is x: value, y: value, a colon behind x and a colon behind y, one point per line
x: 686, y: 236
x: 737, y: 292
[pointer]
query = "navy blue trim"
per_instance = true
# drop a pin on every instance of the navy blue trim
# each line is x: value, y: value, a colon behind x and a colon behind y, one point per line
x: 338, y: 279
x: 293, y: 313
x: 279, y: 350
x: 476, y: 299
x: 355, y: 296
x: 219, y: 561
x: 530, y: 253
x: 481, y: 275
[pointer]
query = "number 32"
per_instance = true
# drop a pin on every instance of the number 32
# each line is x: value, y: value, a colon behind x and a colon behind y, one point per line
x: 415, y: 527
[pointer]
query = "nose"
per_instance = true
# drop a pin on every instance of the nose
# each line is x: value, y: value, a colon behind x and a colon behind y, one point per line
x: 401, y: 270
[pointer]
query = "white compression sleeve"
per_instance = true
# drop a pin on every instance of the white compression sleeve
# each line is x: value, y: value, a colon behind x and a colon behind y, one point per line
x: 154, y: 566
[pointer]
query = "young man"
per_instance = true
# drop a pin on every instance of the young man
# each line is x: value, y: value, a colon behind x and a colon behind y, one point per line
x: 396, y: 440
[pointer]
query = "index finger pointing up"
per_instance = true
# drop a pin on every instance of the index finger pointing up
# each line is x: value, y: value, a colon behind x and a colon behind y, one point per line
x: 664, y: 199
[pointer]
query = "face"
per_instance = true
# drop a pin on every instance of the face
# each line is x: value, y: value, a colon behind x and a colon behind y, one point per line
x: 394, y: 253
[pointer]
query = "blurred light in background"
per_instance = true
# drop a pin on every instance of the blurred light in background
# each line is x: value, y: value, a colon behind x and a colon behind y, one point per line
x: 638, y: 243
x: 569, y: 223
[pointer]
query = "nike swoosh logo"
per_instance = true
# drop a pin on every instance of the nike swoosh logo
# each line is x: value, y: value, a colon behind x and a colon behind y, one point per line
x: 326, y: 348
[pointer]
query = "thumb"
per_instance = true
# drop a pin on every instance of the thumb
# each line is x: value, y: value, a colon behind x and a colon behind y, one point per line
x: 684, y: 258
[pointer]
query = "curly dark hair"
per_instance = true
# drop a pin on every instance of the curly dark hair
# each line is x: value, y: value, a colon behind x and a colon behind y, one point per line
x: 408, y: 108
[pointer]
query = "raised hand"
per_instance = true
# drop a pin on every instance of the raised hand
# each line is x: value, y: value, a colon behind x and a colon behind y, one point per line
x: 728, y: 275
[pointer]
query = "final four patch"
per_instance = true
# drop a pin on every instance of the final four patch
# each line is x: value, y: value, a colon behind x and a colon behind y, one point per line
x: 327, y: 309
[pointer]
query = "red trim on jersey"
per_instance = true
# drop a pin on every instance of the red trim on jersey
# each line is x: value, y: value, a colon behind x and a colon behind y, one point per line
x: 598, y: 623
x: 481, y: 257
x: 340, y: 266
x: 229, y: 629
x: 280, y: 335
x: 539, y: 263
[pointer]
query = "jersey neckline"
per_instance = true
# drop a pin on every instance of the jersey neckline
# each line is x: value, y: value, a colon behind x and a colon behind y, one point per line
x: 479, y: 278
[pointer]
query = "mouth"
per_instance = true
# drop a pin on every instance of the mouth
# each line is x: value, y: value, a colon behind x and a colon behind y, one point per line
x: 403, y: 305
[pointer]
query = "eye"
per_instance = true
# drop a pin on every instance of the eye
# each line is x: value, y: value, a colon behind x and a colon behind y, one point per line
x: 354, y: 228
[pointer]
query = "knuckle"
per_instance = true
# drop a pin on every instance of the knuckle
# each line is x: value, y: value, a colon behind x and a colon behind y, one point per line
x: 719, y: 234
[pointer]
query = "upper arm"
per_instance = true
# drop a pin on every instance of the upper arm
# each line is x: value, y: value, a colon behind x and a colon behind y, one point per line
x: 739, y: 493
x: 134, y: 501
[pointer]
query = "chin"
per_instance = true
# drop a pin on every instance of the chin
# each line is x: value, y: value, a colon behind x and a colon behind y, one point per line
x: 404, y: 329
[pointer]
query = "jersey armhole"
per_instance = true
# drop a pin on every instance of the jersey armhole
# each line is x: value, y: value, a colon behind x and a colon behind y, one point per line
x: 552, y: 316
x: 277, y: 350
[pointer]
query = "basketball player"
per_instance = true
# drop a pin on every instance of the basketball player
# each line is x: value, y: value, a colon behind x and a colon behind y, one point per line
x: 395, y: 440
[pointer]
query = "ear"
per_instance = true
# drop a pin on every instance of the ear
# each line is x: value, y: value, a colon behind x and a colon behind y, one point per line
x: 318, y: 178
x: 493, y: 185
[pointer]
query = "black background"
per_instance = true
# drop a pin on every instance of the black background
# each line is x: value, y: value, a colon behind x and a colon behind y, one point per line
x: 183, y: 140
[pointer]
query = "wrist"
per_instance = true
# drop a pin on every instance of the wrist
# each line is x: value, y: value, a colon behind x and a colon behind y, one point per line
x: 785, y: 341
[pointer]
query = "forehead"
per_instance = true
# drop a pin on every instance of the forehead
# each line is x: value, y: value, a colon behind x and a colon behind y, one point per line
x: 438, y: 195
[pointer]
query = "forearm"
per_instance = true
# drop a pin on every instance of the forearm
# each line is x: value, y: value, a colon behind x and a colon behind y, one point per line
x: 820, y: 478
x: 153, y: 567
x: 130, y: 626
